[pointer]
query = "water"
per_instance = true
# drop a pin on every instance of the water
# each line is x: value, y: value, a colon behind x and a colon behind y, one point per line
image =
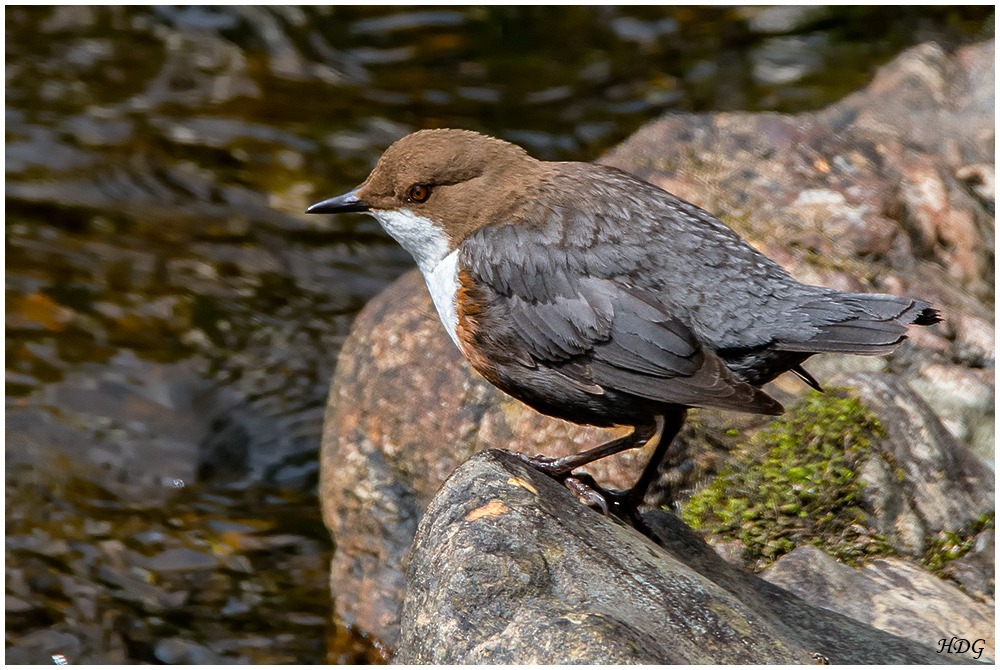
x: 172, y: 315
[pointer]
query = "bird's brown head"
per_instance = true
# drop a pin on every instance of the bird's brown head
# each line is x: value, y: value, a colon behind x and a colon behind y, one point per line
x: 457, y: 179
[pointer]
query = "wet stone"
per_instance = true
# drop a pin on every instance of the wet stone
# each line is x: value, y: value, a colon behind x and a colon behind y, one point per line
x: 235, y: 607
x: 784, y: 19
x: 180, y: 559
x: 97, y: 133
x: 238, y: 563
x: 39, y: 647
x: 150, y: 538
x: 231, y: 527
x: 147, y: 596
x: 306, y: 619
x: 119, y: 556
x: 176, y: 651
x: 15, y: 605
x: 15, y: 581
x: 782, y: 60
x: 271, y: 542
x: 95, y: 528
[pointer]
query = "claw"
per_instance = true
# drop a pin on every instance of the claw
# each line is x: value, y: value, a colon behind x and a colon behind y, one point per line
x: 587, y: 495
x: 622, y: 504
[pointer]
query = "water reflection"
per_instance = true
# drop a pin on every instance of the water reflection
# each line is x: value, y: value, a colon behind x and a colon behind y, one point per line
x: 172, y: 316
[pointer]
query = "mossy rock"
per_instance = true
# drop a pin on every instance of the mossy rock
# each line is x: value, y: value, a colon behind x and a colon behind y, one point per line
x: 796, y: 482
x: 948, y: 546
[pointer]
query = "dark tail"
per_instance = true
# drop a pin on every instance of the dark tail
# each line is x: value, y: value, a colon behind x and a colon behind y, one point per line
x: 859, y: 323
x: 928, y: 316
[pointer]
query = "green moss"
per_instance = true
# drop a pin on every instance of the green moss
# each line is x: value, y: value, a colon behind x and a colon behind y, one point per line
x: 948, y: 546
x: 797, y: 483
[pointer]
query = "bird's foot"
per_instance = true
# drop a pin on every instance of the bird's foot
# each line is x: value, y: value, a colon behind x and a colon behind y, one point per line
x: 553, y: 467
x: 623, y: 504
x: 587, y: 495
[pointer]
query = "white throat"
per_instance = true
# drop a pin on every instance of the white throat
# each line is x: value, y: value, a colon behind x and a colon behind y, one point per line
x: 429, y: 246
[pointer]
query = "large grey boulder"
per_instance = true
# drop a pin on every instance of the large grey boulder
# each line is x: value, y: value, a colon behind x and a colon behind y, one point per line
x: 507, y: 567
x: 881, y: 594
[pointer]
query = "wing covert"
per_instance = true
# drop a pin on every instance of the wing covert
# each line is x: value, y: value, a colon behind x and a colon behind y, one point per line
x: 538, y: 302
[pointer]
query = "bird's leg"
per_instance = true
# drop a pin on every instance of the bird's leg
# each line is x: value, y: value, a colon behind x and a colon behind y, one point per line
x: 668, y: 427
x: 624, y: 503
x: 559, y: 468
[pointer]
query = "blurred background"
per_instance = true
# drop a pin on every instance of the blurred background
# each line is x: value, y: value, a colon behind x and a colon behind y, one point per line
x: 173, y: 318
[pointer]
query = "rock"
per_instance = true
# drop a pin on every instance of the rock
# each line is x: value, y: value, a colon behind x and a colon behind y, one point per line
x: 175, y: 651
x: 141, y: 429
x: 303, y: 619
x: 150, y: 538
x: 507, y: 567
x: 976, y: 571
x: 97, y: 529
x: 925, y: 482
x: 888, y: 594
x: 964, y: 399
x: 130, y: 426
x: 784, y: 18
x: 42, y: 646
x: 834, y: 196
x: 15, y: 605
x: 180, y: 559
x: 148, y: 597
x: 235, y: 607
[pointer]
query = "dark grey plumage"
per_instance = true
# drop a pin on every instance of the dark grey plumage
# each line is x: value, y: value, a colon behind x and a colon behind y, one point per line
x: 637, y: 294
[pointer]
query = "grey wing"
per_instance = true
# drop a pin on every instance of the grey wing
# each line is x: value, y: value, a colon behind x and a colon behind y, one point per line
x: 600, y: 333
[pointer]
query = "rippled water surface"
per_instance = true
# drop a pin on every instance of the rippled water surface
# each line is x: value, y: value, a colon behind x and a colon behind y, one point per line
x: 173, y: 317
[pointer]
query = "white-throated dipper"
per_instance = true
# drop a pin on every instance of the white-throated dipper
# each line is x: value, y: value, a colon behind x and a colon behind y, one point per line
x: 596, y: 297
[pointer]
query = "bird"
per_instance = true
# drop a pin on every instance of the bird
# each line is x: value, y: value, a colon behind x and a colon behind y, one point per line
x: 596, y: 297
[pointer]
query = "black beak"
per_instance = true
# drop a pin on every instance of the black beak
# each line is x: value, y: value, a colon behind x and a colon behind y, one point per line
x: 342, y: 203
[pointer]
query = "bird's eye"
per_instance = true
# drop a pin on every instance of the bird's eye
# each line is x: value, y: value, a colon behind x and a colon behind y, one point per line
x: 419, y: 193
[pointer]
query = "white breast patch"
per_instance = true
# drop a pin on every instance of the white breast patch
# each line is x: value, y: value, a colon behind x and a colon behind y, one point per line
x: 428, y: 244
x: 442, y: 282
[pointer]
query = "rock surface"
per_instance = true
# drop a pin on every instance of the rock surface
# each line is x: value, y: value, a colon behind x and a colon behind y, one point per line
x: 833, y: 196
x: 508, y: 568
x: 925, y: 482
x: 881, y: 594
x: 976, y: 571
